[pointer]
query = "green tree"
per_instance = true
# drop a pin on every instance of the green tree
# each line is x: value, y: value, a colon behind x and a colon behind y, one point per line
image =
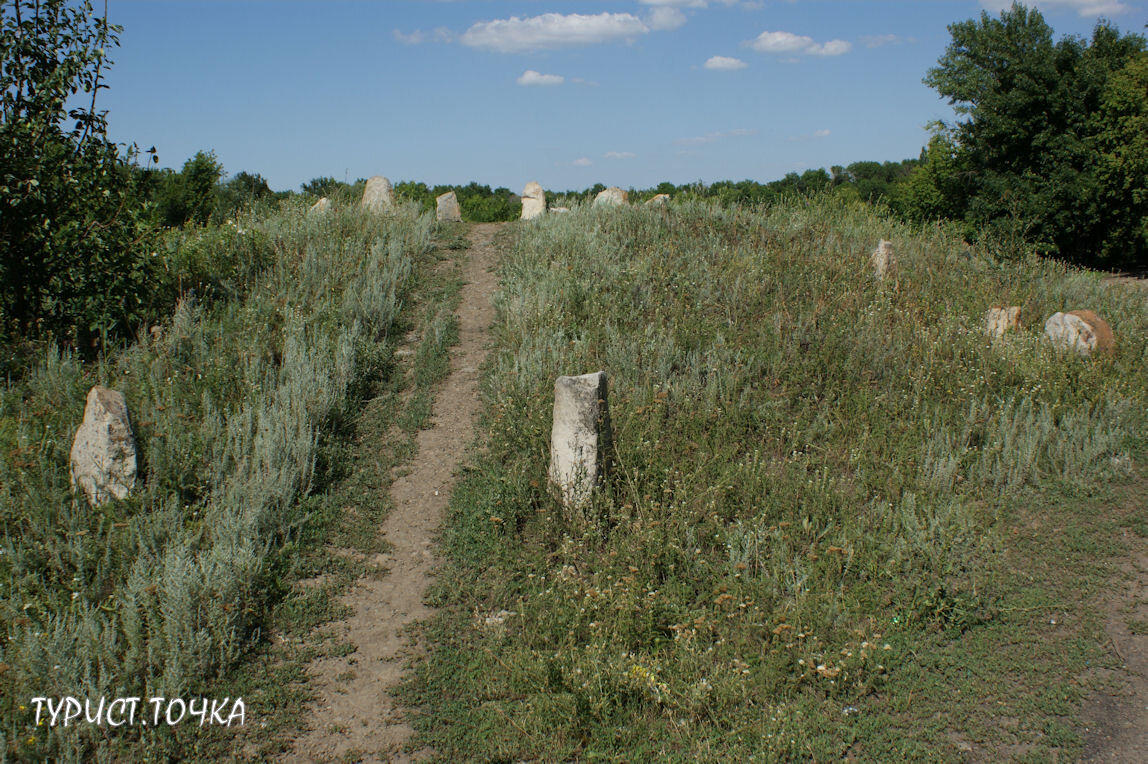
x: 72, y: 255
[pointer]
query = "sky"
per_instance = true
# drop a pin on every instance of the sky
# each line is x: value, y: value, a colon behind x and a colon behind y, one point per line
x: 569, y: 94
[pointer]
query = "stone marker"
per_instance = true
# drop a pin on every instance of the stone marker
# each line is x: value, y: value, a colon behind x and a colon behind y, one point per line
x: 1079, y: 330
x: 533, y: 201
x: 447, y: 208
x: 104, y: 451
x: 560, y: 210
x: 320, y: 206
x: 378, y: 196
x: 580, y: 439
x: 660, y: 200
x: 882, y: 260
x: 611, y: 197
x: 1001, y: 320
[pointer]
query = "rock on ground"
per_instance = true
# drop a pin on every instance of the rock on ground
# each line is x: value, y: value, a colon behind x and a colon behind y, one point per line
x: 320, y: 206
x: 1079, y: 330
x: 1001, y: 320
x: 104, y: 450
x: 612, y: 197
x: 882, y: 260
x: 659, y: 200
x: 447, y: 208
x: 378, y: 196
x: 533, y: 201
x: 580, y: 437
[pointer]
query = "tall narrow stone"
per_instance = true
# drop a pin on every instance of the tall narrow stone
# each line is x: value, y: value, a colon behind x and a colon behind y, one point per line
x: 533, y: 201
x: 882, y: 260
x: 580, y: 439
x: 447, y: 208
x: 104, y: 451
x: 998, y: 321
x: 378, y: 196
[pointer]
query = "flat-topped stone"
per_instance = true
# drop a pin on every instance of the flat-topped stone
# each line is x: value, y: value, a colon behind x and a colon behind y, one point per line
x: 611, y: 197
x: 447, y: 209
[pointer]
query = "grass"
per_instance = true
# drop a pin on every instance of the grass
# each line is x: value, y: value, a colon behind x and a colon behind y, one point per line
x: 242, y: 405
x: 842, y: 521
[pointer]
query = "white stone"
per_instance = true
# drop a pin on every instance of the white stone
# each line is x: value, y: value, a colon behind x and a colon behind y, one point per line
x: 447, y: 209
x: 560, y: 210
x: 882, y: 260
x: 659, y: 200
x: 1001, y: 320
x: 1079, y: 330
x: 533, y: 201
x: 104, y: 451
x: 580, y: 438
x: 378, y: 196
x: 320, y: 206
x: 611, y: 197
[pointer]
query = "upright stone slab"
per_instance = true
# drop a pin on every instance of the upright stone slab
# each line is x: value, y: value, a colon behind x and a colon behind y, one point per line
x: 104, y: 451
x: 659, y: 200
x: 447, y: 208
x: 998, y: 321
x: 378, y: 196
x: 611, y: 197
x: 580, y: 439
x: 320, y: 206
x: 1079, y: 330
x: 533, y: 201
x: 882, y: 260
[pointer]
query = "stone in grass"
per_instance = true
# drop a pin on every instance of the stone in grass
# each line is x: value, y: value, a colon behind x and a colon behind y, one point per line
x: 321, y: 206
x: 611, y: 197
x: 533, y: 201
x: 447, y: 208
x: 1079, y: 330
x: 378, y: 196
x: 580, y: 439
x: 104, y: 451
x: 998, y: 321
x: 559, y: 210
x: 882, y: 260
x: 659, y: 200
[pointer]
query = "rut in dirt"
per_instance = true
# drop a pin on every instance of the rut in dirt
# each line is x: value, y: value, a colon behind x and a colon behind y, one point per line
x: 355, y: 714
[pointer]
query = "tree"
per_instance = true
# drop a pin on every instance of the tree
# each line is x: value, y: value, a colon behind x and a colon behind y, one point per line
x: 72, y: 260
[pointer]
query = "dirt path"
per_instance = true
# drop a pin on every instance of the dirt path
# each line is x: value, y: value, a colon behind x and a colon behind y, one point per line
x: 355, y: 717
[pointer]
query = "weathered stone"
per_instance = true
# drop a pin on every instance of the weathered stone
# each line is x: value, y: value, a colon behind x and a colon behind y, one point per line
x: 447, y: 208
x: 533, y: 201
x: 560, y: 210
x: 580, y: 439
x: 611, y: 197
x: 882, y: 260
x: 378, y: 196
x: 660, y: 200
x: 104, y: 451
x: 1079, y: 330
x: 320, y: 206
x: 1001, y: 320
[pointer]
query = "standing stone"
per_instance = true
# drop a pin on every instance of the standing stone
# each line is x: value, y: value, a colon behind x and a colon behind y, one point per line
x: 611, y: 197
x: 1001, y: 320
x: 560, y: 210
x: 580, y: 439
x: 104, y: 451
x: 882, y: 260
x: 378, y: 196
x: 659, y: 200
x: 320, y: 206
x: 447, y: 208
x: 1079, y: 330
x: 533, y: 201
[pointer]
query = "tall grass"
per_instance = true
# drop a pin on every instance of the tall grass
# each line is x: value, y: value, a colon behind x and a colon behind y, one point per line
x: 812, y: 471
x: 232, y: 403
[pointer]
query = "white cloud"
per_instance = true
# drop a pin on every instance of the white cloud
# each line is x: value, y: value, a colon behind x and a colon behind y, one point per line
x: 877, y: 40
x: 724, y: 63
x: 1082, y: 7
x: 675, y: 3
x: 822, y: 133
x: 552, y: 30
x: 619, y: 155
x: 582, y: 162
x: 665, y: 17
x: 531, y: 77
x: 414, y: 38
x: 699, y: 140
x: 787, y: 42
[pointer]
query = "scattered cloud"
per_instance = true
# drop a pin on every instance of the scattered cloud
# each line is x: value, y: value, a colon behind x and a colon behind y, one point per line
x: 531, y: 77
x: 619, y: 155
x: 552, y: 30
x: 787, y: 42
x: 822, y: 133
x: 1082, y: 7
x: 877, y: 40
x: 418, y: 37
x: 714, y: 137
x: 666, y: 17
x: 675, y: 3
x: 724, y: 63
x: 582, y: 162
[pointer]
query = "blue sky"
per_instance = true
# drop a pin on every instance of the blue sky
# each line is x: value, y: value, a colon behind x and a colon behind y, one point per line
x: 622, y: 92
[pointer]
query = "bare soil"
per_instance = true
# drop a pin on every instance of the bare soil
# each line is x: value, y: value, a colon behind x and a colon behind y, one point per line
x: 356, y: 718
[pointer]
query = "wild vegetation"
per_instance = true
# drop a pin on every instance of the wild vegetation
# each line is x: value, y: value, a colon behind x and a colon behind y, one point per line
x: 810, y: 545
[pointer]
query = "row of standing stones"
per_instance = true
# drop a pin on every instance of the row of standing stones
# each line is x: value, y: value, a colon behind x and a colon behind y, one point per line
x: 104, y: 457
x: 534, y: 200
x: 379, y: 196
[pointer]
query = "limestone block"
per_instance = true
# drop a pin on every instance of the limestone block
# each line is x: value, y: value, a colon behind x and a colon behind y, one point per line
x: 580, y: 439
x: 104, y: 450
x: 378, y: 196
x: 1001, y: 320
x: 447, y: 208
x: 882, y: 260
x: 1079, y: 330
x: 321, y: 206
x: 660, y: 200
x: 533, y: 201
x: 611, y: 197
